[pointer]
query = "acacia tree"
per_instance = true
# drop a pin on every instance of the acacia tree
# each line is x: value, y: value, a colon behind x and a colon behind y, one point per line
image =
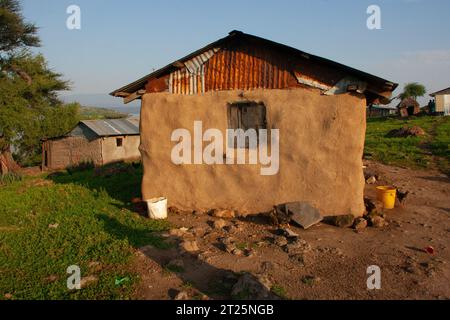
x: 413, y: 90
x: 29, y: 107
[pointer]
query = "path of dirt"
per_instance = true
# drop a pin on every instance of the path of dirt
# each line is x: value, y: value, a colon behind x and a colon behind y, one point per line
x: 333, y: 262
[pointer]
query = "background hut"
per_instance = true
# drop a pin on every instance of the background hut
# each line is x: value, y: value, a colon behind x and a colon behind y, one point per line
x: 93, y: 141
x: 408, y: 107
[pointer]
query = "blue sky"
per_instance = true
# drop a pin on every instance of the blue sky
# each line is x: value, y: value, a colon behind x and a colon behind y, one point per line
x: 120, y: 41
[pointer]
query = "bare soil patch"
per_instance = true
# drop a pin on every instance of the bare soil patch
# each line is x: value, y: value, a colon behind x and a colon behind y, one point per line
x: 324, y: 262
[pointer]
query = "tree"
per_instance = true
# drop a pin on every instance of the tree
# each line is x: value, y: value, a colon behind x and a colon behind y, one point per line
x: 413, y: 90
x: 29, y: 107
x: 14, y: 32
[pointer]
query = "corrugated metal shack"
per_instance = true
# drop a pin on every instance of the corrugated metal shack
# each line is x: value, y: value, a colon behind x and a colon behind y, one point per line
x: 93, y: 141
x: 442, y: 102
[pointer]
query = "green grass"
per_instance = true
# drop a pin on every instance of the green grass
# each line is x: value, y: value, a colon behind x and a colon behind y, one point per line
x: 9, y: 177
x: 279, y: 291
x: 414, y: 152
x: 95, y: 227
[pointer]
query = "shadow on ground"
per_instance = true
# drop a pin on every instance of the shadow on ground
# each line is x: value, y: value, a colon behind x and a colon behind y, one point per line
x: 120, y: 180
x: 200, y: 275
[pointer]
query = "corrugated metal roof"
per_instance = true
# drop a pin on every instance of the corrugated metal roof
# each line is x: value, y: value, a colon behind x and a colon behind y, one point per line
x: 140, y: 83
x: 443, y: 91
x: 113, y: 127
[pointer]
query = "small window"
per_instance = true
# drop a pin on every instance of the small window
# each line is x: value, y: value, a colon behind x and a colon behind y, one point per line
x: 119, y: 142
x: 247, y: 115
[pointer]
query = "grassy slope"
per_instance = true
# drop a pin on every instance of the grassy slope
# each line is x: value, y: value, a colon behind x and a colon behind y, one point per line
x: 94, y: 225
x: 427, y: 151
x: 93, y: 113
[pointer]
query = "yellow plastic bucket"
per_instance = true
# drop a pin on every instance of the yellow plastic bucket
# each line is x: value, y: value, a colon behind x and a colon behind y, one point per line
x: 386, y: 195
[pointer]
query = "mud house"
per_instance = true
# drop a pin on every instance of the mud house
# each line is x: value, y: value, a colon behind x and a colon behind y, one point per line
x: 442, y: 101
x: 93, y: 141
x: 408, y: 107
x: 309, y: 111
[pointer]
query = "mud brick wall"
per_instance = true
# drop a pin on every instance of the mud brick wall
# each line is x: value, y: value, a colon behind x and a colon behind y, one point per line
x: 128, y: 151
x: 321, y: 147
x: 70, y: 151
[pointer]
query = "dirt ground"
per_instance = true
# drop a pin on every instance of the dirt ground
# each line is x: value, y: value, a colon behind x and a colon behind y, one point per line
x: 331, y: 262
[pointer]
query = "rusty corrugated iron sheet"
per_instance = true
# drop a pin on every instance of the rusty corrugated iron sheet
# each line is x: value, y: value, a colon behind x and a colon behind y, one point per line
x: 245, y: 62
x: 191, y: 78
x: 232, y: 67
x: 248, y: 67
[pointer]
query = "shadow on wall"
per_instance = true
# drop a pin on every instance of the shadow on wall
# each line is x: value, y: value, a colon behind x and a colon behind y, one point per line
x: 120, y: 180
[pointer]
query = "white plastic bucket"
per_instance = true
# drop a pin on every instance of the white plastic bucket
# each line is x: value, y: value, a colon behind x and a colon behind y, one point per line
x: 157, y: 208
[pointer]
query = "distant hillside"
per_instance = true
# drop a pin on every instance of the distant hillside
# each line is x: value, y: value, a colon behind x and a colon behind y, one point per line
x: 94, y: 113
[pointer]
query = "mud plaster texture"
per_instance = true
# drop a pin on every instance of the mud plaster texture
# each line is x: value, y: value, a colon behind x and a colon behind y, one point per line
x: 128, y: 151
x: 321, y: 146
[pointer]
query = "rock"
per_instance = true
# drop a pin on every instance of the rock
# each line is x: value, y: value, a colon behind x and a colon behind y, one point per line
x: 228, y: 244
x: 198, y: 231
x: 378, y: 222
x: 359, y: 224
x: 231, y: 229
x: 288, y: 233
x: 373, y: 207
x: 279, y: 215
x: 53, y: 226
x: 280, y: 241
x: 190, y: 245
x: 331, y: 250
x: 303, y: 214
x: 176, y: 263
x: 182, y: 295
x: 260, y: 244
x: 237, y: 252
x: 297, y: 246
x: 298, y: 258
x: 204, y: 256
x: 249, y: 253
x: 251, y: 287
x: 177, y: 232
x: 219, y: 224
x: 227, y: 214
x: 87, y: 281
x: 371, y: 180
x: 343, y: 221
